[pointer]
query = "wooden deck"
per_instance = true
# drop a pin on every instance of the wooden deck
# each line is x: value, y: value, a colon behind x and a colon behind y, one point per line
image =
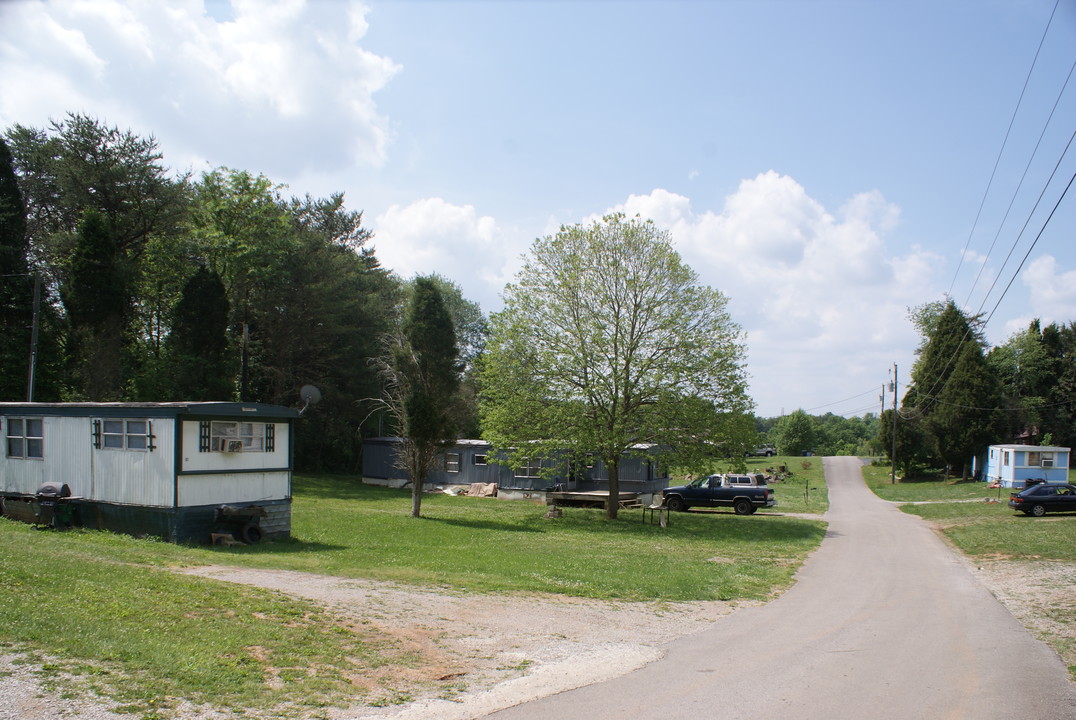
x: 591, y: 498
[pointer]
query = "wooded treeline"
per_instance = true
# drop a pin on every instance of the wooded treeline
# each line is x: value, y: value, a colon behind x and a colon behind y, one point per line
x: 160, y: 286
x: 965, y: 396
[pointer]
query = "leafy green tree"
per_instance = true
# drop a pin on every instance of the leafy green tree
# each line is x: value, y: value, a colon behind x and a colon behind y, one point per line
x: 1058, y: 412
x: 1025, y: 370
x: 795, y: 434
x: 76, y: 165
x: 334, y: 304
x: 910, y: 445
x: 421, y: 370
x: 80, y: 164
x: 607, y: 341
x: 242, y: 230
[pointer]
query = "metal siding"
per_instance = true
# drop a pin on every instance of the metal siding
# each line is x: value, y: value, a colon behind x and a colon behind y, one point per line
x: 194, y: 461
x: 224, y: 488
x: 136, y: 477
x: 66, y: 457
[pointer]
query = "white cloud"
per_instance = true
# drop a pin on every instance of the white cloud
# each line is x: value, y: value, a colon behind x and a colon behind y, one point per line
x: 280, y: 88
x: 819, y: 294
x: 435, y: 236
x: 1053, y: 293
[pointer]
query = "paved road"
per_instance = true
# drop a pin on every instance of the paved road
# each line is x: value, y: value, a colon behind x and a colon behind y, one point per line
x: 883, y: 622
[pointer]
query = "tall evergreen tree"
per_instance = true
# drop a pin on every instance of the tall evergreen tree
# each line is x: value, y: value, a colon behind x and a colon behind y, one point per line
x: 16, y: 292
x: 954, y: 393
x: 421, y: 370
x: 198, y: 343
x: 97, y: 298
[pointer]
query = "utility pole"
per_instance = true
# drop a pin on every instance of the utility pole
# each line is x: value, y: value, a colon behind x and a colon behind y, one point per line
x: 893, y: 455
x: 33, y: 339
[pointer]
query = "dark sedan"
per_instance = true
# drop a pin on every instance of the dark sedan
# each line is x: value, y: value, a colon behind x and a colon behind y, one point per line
x: 1038, y: 499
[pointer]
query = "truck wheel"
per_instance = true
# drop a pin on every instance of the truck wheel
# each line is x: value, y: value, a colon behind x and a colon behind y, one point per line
x: 743, y: 507
x: 676, y: 504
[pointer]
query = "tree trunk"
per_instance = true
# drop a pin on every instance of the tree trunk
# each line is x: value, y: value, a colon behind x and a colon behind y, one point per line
x: 417, y: 483
x: 612, y: 505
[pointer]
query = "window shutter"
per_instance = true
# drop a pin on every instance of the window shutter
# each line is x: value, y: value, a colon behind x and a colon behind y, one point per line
x: 97, y: 434
x: 270, y: 437
x: 203, y: 436
x: 150, y: 437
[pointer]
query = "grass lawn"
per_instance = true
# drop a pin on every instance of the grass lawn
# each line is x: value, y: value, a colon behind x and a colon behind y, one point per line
x: 110, y: 610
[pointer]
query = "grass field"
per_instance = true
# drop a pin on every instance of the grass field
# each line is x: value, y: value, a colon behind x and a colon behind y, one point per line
x: 110, y: 611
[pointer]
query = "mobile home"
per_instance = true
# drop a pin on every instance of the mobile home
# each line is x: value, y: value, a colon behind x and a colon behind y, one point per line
x: 1012, y: 466
x: 473, y: 461
x: 178, y: 470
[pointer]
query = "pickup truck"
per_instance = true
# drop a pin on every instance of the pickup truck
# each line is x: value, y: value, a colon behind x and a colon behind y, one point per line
x: 743, y: 493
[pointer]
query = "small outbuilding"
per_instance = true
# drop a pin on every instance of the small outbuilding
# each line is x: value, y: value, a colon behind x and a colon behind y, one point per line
x: 1012, y: 466
x: 178, y: 470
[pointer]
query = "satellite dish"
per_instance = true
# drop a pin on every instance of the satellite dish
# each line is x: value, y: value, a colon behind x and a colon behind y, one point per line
x: 310, y: 395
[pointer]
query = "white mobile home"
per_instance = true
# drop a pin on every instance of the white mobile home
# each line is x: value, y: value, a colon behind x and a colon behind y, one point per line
x: 179, y: 470
x: 1013, y: 465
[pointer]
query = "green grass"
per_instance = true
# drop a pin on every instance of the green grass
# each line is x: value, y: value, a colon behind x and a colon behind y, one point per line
x: 140, y: 634
x: 111, y: 613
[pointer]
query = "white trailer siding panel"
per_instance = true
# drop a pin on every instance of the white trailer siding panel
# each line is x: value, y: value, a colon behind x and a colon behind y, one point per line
x: 67, y: 445
x: 224, y: 489
x: 137, y: 477
x: 194, y: 460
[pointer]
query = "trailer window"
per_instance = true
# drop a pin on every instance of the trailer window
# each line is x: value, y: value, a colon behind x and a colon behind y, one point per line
x: 531, y: 468
x: 123, y: 434
x: 237, y: 437
x: 452, y: 462
x: 26, y: 438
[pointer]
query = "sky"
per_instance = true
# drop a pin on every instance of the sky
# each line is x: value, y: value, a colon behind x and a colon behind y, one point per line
x: 826, y: 164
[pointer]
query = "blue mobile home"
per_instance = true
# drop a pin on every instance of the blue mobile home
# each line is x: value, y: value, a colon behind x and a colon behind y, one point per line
x: 473, y: 461
x: 1012, y: 466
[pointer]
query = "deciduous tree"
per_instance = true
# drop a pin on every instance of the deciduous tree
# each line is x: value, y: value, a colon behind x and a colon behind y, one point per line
x: 607, y: 341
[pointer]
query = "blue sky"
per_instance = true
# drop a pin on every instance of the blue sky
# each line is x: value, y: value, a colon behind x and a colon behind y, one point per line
x: 821, y: 162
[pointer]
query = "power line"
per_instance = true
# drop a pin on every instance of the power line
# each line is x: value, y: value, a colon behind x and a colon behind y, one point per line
x: 838, y: 402
x: 1001, y: 152
x: 1024, y: 227
x: 1032, y: 247
x: 1016, y: 192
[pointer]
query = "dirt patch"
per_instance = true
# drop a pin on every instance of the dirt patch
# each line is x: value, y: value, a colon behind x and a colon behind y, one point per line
x: 470, y: 655
x: 1040, y: 594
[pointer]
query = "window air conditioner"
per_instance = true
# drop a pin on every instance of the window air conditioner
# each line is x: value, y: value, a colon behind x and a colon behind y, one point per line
x: 1047, y: 462
x: 233, y: 446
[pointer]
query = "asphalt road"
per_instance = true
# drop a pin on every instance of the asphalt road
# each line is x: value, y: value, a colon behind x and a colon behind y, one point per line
x: 884, y: 621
